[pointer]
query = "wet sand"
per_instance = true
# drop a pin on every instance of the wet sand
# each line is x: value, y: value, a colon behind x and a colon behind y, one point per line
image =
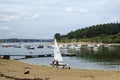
x: 14, y: 70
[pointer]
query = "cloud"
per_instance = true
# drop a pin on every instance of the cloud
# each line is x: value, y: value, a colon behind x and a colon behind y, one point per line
x: 13, y: 35
x: 69, y: 9
x: 4, y: 17
x: 5, y: 31
x: 29, y: 18
x: 35, y: 16
x: 76, y: 10
x: 110, y: 18
x: 5, y: 28
x: 20, y: 16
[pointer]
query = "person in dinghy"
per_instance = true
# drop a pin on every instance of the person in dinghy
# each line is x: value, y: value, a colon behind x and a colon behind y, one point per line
x: 55, y: 63
x: 58, y: 60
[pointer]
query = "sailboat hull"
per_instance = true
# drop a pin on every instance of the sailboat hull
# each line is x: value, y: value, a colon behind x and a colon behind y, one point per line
x: 63, y: 65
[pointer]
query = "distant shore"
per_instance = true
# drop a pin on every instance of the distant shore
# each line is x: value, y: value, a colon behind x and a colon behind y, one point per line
x: 85, y: 43
x: 14, y: 70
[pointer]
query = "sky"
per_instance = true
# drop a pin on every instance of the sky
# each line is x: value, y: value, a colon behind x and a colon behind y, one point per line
x: 41, y: 19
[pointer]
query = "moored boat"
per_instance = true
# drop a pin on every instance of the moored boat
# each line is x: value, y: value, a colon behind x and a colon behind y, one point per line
x: 40, y: 46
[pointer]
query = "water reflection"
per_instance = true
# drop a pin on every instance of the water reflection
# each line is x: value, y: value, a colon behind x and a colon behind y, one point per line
x: 102, y: 55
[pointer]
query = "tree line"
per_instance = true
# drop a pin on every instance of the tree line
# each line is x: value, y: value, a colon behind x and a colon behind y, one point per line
x: 15, y: 40
x: 109, y: 32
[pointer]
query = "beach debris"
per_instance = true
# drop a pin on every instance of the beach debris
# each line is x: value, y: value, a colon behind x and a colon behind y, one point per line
x: 27, y: 72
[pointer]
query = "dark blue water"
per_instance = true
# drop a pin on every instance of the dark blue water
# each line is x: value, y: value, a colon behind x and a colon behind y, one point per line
x: 102, y: 58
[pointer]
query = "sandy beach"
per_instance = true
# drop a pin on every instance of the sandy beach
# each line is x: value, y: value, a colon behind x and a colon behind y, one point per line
x: 14, y: 70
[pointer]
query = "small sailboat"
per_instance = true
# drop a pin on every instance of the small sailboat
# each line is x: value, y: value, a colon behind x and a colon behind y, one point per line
x: 40, y: 46
x: 58, y: 60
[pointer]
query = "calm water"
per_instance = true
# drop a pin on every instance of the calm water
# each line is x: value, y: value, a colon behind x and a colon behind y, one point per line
x: 103, y: 58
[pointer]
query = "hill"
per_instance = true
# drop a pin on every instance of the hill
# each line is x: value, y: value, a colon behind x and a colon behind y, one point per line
x: 109, y: 32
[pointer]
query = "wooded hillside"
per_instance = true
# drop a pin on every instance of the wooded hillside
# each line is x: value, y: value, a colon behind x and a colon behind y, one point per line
x: 105, y: 32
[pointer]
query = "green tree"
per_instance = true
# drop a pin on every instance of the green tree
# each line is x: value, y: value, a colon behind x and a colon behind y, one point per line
x: 57, y: 36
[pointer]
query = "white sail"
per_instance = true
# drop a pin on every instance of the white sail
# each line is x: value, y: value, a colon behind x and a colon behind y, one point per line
x: 57, y: 53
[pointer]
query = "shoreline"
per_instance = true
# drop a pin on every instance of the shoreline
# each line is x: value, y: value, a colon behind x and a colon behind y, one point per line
x: 85, y: 43
x: 73, y: 67
x: 14, y: 70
